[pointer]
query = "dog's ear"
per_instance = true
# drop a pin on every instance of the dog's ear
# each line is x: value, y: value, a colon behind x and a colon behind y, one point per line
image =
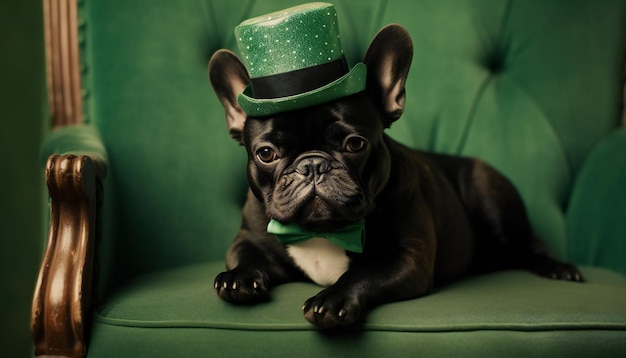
x: 229, y: 78
x: 388, y: 60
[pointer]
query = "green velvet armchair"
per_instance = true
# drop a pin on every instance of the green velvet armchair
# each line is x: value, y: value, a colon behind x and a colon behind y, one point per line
x: 146, y: 185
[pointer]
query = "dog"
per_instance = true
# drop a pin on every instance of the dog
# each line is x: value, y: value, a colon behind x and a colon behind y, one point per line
x: 429, y: 219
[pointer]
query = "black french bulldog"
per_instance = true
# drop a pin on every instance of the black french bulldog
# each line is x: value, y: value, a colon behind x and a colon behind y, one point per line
x: 429, y: 218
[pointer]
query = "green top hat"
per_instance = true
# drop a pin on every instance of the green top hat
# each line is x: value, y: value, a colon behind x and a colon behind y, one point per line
x: 295, y: 60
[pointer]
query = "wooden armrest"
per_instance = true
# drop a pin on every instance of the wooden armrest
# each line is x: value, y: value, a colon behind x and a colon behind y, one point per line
x: 63, y: 293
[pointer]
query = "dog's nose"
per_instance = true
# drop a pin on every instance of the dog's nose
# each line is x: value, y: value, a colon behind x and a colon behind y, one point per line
x: 313, y: 167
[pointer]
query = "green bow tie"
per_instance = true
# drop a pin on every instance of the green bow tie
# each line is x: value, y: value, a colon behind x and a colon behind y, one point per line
x: 350, y: 238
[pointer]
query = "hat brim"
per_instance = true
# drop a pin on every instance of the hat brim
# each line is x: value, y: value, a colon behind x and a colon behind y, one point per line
x: 351, y: 83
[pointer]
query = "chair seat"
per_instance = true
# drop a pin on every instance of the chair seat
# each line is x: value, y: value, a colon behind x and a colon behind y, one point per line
x: 176, y: 313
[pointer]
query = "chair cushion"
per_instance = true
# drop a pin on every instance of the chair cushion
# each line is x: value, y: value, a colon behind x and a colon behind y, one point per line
x: 175, y: 312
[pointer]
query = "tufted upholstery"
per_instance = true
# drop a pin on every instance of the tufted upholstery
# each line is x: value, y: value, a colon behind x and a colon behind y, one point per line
x: 532, y: 86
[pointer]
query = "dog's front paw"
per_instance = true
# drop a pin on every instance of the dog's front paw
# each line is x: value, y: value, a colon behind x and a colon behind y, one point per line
x: 550, y: 268
x: 332, y: 308
x: 560, y: 271
x: 242, y: 285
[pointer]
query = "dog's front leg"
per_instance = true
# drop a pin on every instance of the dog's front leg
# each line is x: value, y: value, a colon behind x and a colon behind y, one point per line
x: 255, y: 261
x: 403, y: 273
x: 252, y: 269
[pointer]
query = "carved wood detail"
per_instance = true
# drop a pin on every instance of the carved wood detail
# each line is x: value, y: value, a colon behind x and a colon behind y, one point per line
x: 62, y: 62
x: 63, y: 292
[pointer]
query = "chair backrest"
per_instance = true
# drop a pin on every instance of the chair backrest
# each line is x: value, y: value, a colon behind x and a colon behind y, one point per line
x: 530, y: 86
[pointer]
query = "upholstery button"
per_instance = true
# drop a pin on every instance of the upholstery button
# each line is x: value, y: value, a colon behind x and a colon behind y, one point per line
x: 495, y: 60
x: 495, y: 65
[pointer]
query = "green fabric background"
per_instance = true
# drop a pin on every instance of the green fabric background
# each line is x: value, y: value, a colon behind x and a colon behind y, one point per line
x: 527, y: 85
x: 533, y: 87
x: 597, y: 235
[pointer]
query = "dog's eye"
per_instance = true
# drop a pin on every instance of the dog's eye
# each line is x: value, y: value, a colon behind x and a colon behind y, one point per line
x: 355, y: 144
x: 266, y: 154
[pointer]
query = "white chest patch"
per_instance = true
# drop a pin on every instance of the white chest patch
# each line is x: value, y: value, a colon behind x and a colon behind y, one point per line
x: 321, y: 260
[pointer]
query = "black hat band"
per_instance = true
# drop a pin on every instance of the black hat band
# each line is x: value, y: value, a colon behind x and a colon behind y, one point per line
x: 299, y: 81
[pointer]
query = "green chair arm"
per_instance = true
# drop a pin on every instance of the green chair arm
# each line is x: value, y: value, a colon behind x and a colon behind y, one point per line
x: 75, y: 140
x: 597, y: 210
x: 75, y: 170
